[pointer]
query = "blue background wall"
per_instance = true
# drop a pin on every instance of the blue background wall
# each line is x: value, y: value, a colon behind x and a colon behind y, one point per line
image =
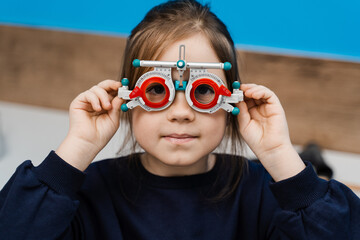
x: 322, y: 28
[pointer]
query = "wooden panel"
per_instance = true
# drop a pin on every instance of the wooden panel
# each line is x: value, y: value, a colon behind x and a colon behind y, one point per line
x: 321, y: 97
x: 49, y: 68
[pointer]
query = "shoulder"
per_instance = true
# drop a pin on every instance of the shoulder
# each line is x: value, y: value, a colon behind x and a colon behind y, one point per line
x: 108, y: 172
x: 251, y: 173
x: 245, y: 166
x: 108, y: 164
x: 253, y: 188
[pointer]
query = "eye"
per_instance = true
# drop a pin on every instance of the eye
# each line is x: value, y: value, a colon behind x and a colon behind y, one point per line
x: 157, y: 89
x: 204, y: 89
x: 204, y: 94
x: 155, y: 92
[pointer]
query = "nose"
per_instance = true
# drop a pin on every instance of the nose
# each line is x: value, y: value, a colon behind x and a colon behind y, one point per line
x: 180, y: 110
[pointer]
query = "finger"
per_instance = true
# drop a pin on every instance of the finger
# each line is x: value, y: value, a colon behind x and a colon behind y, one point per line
x: 265, y: 96
x: 261, y: 93
x: 250, y: 103
x: 110, y: 85
x: 258, y: 102
x: 114, y: 113
x: 252, y: 89
x: 247, y: 86
x: 103, y: 96
x: 248, y: 92
x: 244, y: 115
x: 89, y: 97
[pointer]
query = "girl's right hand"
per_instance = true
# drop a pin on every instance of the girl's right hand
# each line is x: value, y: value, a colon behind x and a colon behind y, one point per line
x: 94, y: 119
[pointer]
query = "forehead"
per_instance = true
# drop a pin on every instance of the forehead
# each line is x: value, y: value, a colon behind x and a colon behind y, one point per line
x: 197, y: 49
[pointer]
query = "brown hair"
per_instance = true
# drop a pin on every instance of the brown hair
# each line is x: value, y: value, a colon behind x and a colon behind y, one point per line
x: 170, y: 22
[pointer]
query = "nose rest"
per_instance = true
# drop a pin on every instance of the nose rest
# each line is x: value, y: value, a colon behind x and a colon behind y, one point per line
x: 178, y: 87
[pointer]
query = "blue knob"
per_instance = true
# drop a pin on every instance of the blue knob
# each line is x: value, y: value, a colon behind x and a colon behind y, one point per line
x: 236, y: 85
x: 136, y: 63
x: 227, y: 66
x: 124, y: 108
x: 235, y: 111
x: 180, y: 64
x: 125, y: 82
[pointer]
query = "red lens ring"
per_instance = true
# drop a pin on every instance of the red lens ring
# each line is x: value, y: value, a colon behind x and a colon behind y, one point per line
x: 208, y: 82
x: 149, y: 81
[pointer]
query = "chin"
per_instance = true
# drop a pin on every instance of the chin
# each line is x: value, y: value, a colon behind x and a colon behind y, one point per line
x: 180, y: 159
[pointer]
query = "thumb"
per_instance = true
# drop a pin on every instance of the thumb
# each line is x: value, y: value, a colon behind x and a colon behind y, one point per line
x: 116, y: 103
x: 244, y: 115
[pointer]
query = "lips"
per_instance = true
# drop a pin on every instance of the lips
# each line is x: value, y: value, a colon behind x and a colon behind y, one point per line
x: 179, y: 138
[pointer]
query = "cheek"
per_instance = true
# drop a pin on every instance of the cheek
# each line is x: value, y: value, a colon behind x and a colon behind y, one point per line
x: 143, y: 124
x: 215, y: 125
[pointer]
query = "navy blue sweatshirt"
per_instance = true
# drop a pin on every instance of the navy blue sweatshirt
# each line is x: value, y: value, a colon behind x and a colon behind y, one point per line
x: 119, y: 199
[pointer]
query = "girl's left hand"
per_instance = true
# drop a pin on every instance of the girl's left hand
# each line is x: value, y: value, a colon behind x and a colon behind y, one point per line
x: 263, y: 126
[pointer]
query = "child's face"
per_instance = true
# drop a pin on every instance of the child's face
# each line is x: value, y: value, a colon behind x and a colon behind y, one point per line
x: 178, y: 140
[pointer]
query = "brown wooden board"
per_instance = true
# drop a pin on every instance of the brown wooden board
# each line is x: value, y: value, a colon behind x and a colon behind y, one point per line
x: 321, y: 97
x: 49, y: 68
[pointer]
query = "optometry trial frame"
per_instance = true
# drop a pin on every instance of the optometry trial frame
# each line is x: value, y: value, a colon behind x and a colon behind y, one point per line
x: 204, y: 91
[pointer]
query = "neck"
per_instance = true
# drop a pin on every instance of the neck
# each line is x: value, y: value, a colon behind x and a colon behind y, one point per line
x: 157, y: 167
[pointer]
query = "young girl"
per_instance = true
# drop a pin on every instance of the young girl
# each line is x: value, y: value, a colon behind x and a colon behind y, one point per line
x: 177, y: 188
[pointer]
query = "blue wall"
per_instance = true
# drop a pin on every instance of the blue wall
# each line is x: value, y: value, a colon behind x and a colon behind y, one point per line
x: 325, y: 28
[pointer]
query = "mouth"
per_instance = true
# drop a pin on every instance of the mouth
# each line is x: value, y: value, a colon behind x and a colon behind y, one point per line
x: 179, y: 138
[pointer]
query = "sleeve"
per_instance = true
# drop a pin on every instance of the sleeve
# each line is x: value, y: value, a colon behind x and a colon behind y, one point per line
x: 312, y: 208
x: 41, y: 202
